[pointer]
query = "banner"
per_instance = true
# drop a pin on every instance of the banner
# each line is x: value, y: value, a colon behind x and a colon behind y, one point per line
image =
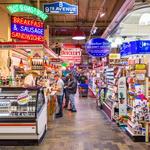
x: 122, y: 96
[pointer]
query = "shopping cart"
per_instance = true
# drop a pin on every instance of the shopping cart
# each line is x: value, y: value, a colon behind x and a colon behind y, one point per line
x: 83, y: 90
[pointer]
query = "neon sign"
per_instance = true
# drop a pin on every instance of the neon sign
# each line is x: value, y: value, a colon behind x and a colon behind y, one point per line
x: 27, y: 29
x: 14, y: 8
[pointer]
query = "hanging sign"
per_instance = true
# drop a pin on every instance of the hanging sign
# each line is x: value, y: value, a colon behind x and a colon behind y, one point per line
x: 98, y: 47
x: 60, y: 8
x: 114, y: 56
x: 135, y: 47
x: 122, y: 96
x: 71, y: 54
x: 17, y: 8
x: 27, y: 29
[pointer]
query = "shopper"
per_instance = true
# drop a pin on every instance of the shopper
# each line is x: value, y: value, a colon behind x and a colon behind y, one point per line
x: 66, y: 94
x: 59, y: 87
x: 72, y: 89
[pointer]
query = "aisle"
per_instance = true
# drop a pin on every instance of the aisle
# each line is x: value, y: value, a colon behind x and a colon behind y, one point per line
x: 88, y: 129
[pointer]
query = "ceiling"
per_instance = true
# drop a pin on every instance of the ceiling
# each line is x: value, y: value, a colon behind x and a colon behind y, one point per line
x: 136, y: 25
x: 62, y: 26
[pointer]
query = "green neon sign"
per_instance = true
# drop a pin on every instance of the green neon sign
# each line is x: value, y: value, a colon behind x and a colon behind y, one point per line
x: 14, y: 8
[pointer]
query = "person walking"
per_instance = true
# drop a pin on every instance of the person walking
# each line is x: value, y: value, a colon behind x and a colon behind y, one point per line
x: 59, y: 87
x: 72, y: 89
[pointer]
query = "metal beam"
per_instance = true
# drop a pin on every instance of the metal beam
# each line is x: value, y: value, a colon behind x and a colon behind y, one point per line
x: 73, y: 24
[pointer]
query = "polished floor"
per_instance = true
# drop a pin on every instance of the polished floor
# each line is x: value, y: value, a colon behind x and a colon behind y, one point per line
x: 88, y: 129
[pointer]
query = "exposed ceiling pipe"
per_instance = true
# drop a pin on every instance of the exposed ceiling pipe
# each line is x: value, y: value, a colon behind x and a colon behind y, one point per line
x: 38, y: 4
x: 98, y: 14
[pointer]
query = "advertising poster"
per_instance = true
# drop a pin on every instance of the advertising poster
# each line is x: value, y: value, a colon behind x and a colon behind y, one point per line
x: 122, y: 96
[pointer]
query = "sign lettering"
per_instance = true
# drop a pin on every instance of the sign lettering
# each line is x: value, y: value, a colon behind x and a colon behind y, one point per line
x: 27, y: 29
x: 98, y: 47
x: 16, y: 8
x: 60, y: 8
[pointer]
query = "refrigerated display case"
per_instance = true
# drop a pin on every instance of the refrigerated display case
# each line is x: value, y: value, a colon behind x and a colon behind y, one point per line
x: 23, y: 113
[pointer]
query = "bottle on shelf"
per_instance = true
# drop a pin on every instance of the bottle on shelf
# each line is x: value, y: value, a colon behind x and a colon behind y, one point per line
x: 1, y: 83
x: 10, y: 81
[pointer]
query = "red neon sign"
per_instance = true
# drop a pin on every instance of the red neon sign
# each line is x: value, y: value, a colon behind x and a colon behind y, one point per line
x: 28, y: 37
x: 27, y: 29
x: 27, y: 22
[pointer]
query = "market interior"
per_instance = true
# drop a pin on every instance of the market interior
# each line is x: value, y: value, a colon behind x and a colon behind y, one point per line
x: 74, y: 74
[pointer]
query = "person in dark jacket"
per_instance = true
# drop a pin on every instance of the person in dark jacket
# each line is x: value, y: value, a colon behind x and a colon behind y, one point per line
x: 72, y: 89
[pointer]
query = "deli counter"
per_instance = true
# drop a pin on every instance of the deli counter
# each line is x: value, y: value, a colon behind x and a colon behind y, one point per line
x: 23, y: 113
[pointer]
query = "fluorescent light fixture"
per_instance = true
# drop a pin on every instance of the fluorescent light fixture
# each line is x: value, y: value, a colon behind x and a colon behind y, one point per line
x: 145, y: 19
x: 78, y: 35
x: 79, y: 38
x: 16, y: 8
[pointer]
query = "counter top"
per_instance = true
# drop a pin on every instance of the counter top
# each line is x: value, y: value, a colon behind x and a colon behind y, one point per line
x: 19, y: 88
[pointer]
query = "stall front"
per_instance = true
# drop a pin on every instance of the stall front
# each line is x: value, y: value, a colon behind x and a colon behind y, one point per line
x: 23, y: 114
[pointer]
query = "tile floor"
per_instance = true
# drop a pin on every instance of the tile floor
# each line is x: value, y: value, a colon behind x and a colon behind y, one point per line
x: 88, y: 129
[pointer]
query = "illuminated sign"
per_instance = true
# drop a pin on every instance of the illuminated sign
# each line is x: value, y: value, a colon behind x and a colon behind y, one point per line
x: 15, y: 8
x: 61, y: 8
x: 27, y: 29
x: 135, y: 47
x: 114, y: 56
x: 98, y: 47
x: 71, y: 55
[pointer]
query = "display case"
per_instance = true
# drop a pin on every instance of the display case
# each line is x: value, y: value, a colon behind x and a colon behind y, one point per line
x: 23, y: 113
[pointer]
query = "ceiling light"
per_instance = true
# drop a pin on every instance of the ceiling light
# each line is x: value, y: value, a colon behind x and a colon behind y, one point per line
x: 118, y: 41
x: 102, y: 14
x: 145, y: 19
x: 78, y: 35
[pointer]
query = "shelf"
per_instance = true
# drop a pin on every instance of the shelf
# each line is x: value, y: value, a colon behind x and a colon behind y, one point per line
x: 130, y: 123
x: 22, y: 111
x: 129, y: 131
x: 130, y: 106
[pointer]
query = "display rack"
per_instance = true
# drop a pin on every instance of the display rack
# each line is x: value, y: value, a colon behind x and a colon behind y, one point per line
x: 138, y: 104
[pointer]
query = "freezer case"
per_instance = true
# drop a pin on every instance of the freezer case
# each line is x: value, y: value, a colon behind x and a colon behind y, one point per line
x: 23, y: 113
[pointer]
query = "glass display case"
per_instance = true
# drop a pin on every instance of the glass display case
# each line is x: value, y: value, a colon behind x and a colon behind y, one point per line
x: 20, y: 103
x: 23, y: 113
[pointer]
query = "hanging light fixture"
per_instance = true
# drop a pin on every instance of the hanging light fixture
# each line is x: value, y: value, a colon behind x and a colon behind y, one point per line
x: 78, y: 34
x: 102, y: 14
